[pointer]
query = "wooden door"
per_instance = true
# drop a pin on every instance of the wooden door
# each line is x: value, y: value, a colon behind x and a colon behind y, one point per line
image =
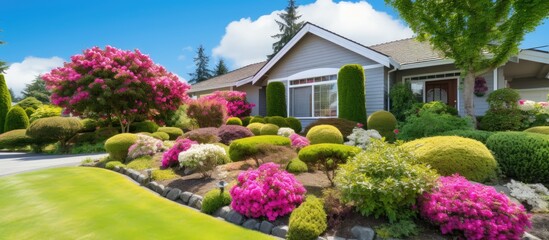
x: 444, y: 91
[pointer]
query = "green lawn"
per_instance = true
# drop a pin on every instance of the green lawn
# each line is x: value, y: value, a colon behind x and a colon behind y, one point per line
x: 93, y: 203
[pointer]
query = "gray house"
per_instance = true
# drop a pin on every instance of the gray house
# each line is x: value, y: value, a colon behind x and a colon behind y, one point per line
x: 309, y: 63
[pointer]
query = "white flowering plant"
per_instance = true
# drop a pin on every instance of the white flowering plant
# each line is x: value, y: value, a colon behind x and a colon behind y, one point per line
x: 203, y: 158
x: 362, y: 138
x: 534, y: 195
x: 285, y: 132
x: 144, y: 146
x: 534, y: 113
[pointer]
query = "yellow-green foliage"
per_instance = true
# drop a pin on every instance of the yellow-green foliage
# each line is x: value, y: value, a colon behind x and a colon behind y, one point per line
x: 330, y: 155
x: 540, y: 129
x: 145, y: 126
x: 29, y: 102
x: 110, y: 165
x: 142, y: 163
x: 161, y: 135
x: 384, y: 122
x: 53, y: 129
x: 29, y: 111
x: 88, y: 125
x: 324, y: 134
x: 214, y: 200
x: 297, y: 166
x: 308, y: 221
x: 250, y: 146
x: 234, y: 121
x: 257, y: 119
x: 16, y: 119
x: 268, y: 129
x: 246, y: 120
x: 172, y: 131
x: 14, y: 139
x: 294, y: 124
x: 255, y: 128
x: 117, y: 146
x: 5, y: 102
x: 450, y: 154
x: 164, y: 174
x: 45, y: 111
x: 277, y: 120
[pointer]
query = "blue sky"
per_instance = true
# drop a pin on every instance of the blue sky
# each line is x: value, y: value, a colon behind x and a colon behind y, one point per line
x: 47, y: 32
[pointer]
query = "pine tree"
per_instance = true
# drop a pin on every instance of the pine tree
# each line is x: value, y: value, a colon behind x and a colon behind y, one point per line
x: 37, y: 89
x: 5, y: 102
x: 201, y: 61
x: 220, y: 68
x: 3, y: 65
x: 288, y: 27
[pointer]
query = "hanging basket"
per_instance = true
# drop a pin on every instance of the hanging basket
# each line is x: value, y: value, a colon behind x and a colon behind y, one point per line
x: 480, y: 94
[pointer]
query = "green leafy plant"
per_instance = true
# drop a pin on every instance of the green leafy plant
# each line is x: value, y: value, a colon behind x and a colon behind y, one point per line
x: 54, y: 129
x: 268, y: 129
x: 29, y: 111
x: 343, y: 125
x: 172, y: 131
x: 277, y: 120
x: 255, y: 128
x: 478, y: 135
x: 215, y: 199
x: 45, y: 111
x: 248, y: 147
x: 276, y: 99
x: 385, y: 123
x: 89, y: 125
x: 161, y: 135
x: 257, y: 119
x: 246, y: 120
x: 145, y: 126
x: 117, y: 146
x: 16, y: 119
x: 307, y: 221
x: 324, y: 134
x: 88, y: 148
x: 402, y: 100
x: 5, y: 102
x: 400, y: 229
x: 234, y: 121
x: 111, y: 164
x: 350, y: 89
x: 503, y: 113
x: 294, y: 124
x: 297, y: 166
x: 430, y: 124
x: 29, y: 102
x: 328, y: 155
x: 14, y: 139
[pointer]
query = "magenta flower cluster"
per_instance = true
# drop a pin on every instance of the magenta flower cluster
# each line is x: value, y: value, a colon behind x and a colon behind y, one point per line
x: 266, y: 192
x: 480, y: 86
x: 474, y: 210
x: 237, y: 105
x: 299, y: 141
x: 171, y: 157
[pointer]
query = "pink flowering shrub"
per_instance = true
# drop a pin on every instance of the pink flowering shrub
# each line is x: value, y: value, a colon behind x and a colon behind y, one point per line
x: 235, y: 101
x: 114, y: 83
x: 299, y: 141
x: 207, y: 112
x: 474, y: 210
x: 144, y: 146
x: 266, y: 192
x: 171, y: 157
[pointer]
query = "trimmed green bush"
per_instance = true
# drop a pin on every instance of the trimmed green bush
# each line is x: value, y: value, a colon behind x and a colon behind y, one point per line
x: 276, y: 99
x: 297, y: 166
x: 145, y: 126
x: 308, y: 221
x: 350, y: 91
x: 324, y: 134
x: 257, y: 119
x: 14, y: 139
x: 438, y: 107
x: 402, y: 99
x: 294, y: 124
x: 279, y: 121
x: 89, y: 125
x: 255, y: 128
x: 430, y: 124
x: 215, y: 199
x: 329, y: 155
x: 105, y: 133
x: 29, y: 111
x: 45, y: 111
x: 343, y: 125
x: 117, y: 146
x: 246, y: 121
x: 5, y: 102
x: 234, y: 121
x: 503, y: 114
x: 29, y: 102
x: 505, y: 98
x: 269, y: 129
x: 478, y: 135
x: 243, y: 148
x: 16, y: 119
x: 385, y: 123
x: 110, y: 165
x: 53, y: 129
x: 161, y: 135
x: 539, y: 129
x: 450, y: 154
x: 172, y: 131
x: 522, y: 156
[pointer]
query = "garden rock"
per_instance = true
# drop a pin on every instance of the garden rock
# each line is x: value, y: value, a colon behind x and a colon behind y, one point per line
x: 166, y: 191
x: 250, y: 224
x: 152, y: 185
x: 363, y: 233
x: 141, y: 179
x: 531, y: 194
x: 173, y: 194
x: 222, y: 213
x: 528, y: 236
x: 235, y: 217
x: 116, y: 168
x: 186, y: 196
x: 188, y: 171
x: 335, y: 238
x: 280, y: 231
x: 160, y: 188
x: 193, y: 202
x: 266, y: 227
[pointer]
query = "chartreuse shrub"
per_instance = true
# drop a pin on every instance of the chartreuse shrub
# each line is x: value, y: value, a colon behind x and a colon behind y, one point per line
x: 427, y: 124
x: 539, y: 129
x: 246, y: 120
x: 385, y: 123
x: 117, y: 146
x: 266, y: 192
x: 307, y: 221
x: 29, y: 102
x: 343, y: 125
x: 54, y: 129
x: 5, y: 102
x: 473, y: 210
x: 438, y: 107
x: 325, y: 134
x: 255, y: 128
x: 257, y: 119
x: 45, y: 111
x: 141, y: 163
x: 228, y: 133
x: 297, y: 166
x: 234, y: 121
x: 89, y: 125
x: 248, y: 147
x: 16, y: 119
x: 385, y: 180
x: 14, y: 139
x: 110, y: 165
x: 276, y: 99
x: 328, y: 155
x: 145, y: 126
x: 215, y: 199
x: 277, y: 120
x: 503, y: 113
x: 521, y: 155
x: 161, y: 135
x: 294, y: 124
x: 449, y: 155
x: 29, y: 111
x: 269, y: 129
x: 478, y: 135
x: 172, y: 131
x: 350, y: 89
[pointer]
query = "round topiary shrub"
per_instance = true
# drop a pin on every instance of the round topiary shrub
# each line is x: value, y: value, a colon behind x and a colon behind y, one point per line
x: 255, y: 128
x: 246, y: 121
x: 248, y: 147
x: 54, y: 129
x: 277, y: 120
x: 478, y: 135
x: 228, y: 133
x: 539, y: 129
x: 350, y: 89
x: 449, y: 155
x: 385, y: 123
x: 294, y: 124
x: 297, y: 166
x: 117, y: 146
x: 172, y: 131
x: 203, y: 135
x: 215, y: 199
x: 325, y: 134
x: 503, y: 114
x: 14, y: 139
x: 161, y: 136
x: 257, y: 119
x: 269, y: 129
x: 329, y: 155
x: 276, y: 99
x: 522, y: 156
x: 89, y: 125
x: 16, y: 119
x: 29, y: 111
x: 343, y: 125
x: 29, y: 102
x: 234, y: 121
x: 145, y: 126
x: 308, y: 221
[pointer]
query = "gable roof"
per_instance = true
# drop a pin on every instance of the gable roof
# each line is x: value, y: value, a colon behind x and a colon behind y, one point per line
x: 229, y: 79
x: 409, y: 50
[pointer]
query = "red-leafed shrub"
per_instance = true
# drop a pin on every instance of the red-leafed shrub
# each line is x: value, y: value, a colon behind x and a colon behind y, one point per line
x: 207, y: 112
x: 235, y: 101
x: 228, y: 133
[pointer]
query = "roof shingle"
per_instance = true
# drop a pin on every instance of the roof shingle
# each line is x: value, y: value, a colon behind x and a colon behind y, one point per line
x: 408, y: 51
x: 228, y: 79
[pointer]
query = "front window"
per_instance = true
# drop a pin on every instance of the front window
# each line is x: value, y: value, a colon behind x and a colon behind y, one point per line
x: 314, y: 97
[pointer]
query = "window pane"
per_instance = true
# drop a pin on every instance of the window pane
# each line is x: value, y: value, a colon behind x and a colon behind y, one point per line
x: 325, y: 100
x: 417, y: 89
x: 300, y: 102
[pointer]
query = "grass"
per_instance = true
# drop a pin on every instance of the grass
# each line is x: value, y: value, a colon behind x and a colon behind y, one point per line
x: 93, y: 203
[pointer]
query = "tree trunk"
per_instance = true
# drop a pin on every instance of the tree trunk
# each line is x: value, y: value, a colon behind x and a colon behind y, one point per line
x: 468, y: 89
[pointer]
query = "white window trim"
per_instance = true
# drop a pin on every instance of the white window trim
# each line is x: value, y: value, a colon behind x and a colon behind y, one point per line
x: 423, y: 81
x: 288, y: 86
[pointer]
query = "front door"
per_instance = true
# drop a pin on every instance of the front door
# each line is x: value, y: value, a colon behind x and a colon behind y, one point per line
x: 444, y: 91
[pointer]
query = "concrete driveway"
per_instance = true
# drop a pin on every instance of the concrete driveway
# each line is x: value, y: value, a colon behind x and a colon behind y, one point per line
x: 13, y: 163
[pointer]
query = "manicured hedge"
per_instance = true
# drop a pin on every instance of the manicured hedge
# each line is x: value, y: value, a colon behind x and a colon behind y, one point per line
x: 29, y: 102
x: 29, y: 111
x: 540, y: 129
x: 161, y: 135
x: 248, y: 147
x: 53, y: 129
x: 308, y: 221
x: 257, y: 119
x: 329, y: 155
x: 277, y: 120
x: 324, y: 134
x: 246, y: 121
x: 5, y: 102
x: 234, y: 121
x: 16, y: 119
x: 89, y: 125
x: 294, y: 124
x: 385, y: 123
x: 343, y: 125
x: 255, y: 128
x: 14, y: 139
x: 117, y: 146
x: 172, y: 131
x: 214, y: 200
x: 350, y: 89
x: 269, y: 129
x: 145, y: 126
x: 297, y: 166
x: 276, y: 99
x: 478, y: 135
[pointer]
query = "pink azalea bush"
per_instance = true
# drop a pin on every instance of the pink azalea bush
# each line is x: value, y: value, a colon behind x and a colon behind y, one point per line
x: 534, y: 113
x: 171, y: 157
x: 475, y: 210
x: 266, y: 192
x: 144, y: 146
x: 235, y: 101
x: 114, y: 83
x: 299, y: 141
x: 207, y: 112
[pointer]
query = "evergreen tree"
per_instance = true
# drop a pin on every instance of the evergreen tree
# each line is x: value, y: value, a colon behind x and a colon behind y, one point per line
x: 5, y: 102
x: 3, y: 65
x: 201, y: 61
x: 37, y: 89
x: 288, y: 27
x: 220, y: 68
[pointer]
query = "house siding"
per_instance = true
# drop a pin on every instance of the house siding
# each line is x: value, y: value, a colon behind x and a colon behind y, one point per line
x: 480, y: 104
x: 252, y: 95
x: 375, y: 89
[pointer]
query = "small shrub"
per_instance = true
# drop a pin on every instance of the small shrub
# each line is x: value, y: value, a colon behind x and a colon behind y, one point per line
x: 297, y: 166
x: 14, y: 139
x: 329, y: 155
x: 163, y: 174
x: 402, y: 99
x: 501, y: 120
x: 371, y: 180
x: 478, y: 135
x: 171, y: 157
x: 207, y: 112
x: 344, y: 126
x: 203, y: 157
x: 45, y: 111
x: 29, y: 111
x: 266, y: 192
x: 522, y: 156
x: 257, y: 119
x: 336, y: 210
x: 285, y: 132
x: 269, y: 129
x: 117, y: 146
x: 234, y: 121
x: 298, y: 141
x: 276, y: 99
x: 279, y: 121
x: 385, y: 123
x: 248, y: 147
x: 438, y: 107
x: 144, y: 146
x: 400, y: 229
x: 172, y: 131
x: 16, y: 119
x: 449, y: 155
x: 228, y: 133
x: 29, y: 102
x: 145, y: 126
x: 53, y: 129
x: 505, y: 98
x: 539, y: 129
x: 110, y: 165
x: 325, y: 134
x: 361, y: 138
x: 179, y: 118
x: 88, y: 148
x: 294, y: 124
x: 255, y: 128
x: 89, y: 125
x: 475, y: 210
x: 430, y: 124
x: 215, y: 199
x: 203, y: 135
x: 307, y: 221
x: 161, y: 136
x: 246, y: 121
x: 142, y: 163
x: 351, y: 88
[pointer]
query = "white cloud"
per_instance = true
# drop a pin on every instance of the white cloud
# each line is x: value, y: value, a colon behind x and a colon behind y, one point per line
x: 20, y: 74
x: 247, y: 41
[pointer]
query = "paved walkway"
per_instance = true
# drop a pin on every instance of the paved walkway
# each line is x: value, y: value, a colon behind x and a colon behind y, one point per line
x: 12, y: 162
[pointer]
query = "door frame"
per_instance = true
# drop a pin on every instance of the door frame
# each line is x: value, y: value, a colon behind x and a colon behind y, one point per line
x: 423, y: 81
x: 450, y: 82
